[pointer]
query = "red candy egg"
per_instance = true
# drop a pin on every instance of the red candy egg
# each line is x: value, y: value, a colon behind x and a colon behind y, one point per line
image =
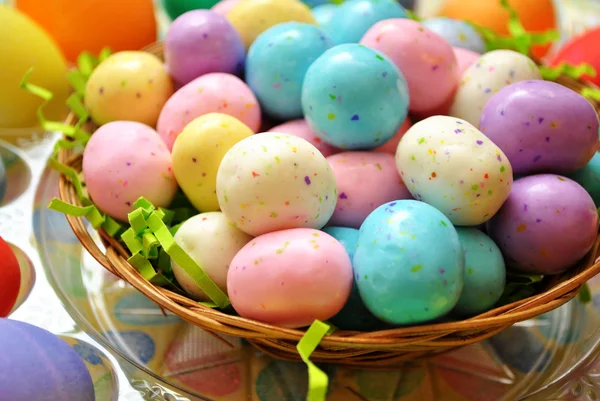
x: 10, y: 278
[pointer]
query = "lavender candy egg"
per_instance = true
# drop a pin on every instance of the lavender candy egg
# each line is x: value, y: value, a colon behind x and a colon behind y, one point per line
x: 542, y: 127
x: 199, y: 42
x: 37, y: 365
x: 546, y: 225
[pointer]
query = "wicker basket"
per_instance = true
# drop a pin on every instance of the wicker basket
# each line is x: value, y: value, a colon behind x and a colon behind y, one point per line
x: 374, y: 349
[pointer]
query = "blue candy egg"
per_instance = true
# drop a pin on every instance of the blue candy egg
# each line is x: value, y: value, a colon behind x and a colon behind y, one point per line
x: 315, y: 3
x: 354, y: 18
x: 409, y: 263
x: 323, y: 14
x: 354, y: 97
x: 354, y: 316
x: 485, y: 273
x: 589, y: 178
x: 37, y: 365
x: 457, y: 33
x: 277, y: 62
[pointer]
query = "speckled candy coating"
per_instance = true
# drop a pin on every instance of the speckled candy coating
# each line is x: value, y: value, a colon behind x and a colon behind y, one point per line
x: 199, y: 42
x: 391, y: 145
x: 211, y: 93
x: 354, y: 18
x: 589, y: 178
x: 490, y: 73
x: 197, y: 154
x: 277, y: 63
x: 211, y: 241
x: 301, y: 129
x: 354, y: 97
x: 123, y: 161
x: 403, y: 278
x: 131, y: 85
x: 457, y: 33
x: 464, y: 59
x: 542, y: 127
x: 485, y: 273
x: 274, y: 181
x: 365, y: 181
x: 37, y: 365
x: 546, y: 225
x: 449, y: 164
x: 426, y: 60
x: 290, y: 278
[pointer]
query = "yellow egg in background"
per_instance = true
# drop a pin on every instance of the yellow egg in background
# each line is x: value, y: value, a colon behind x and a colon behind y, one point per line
x: 253, y: 17
x: 24, y: 45
x: 197, y: 154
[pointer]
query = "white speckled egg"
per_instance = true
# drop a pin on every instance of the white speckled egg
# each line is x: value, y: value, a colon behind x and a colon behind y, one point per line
x: 450, y: 164
x: 271, y: 181
x: 490, y: 73
x: 212, y: 241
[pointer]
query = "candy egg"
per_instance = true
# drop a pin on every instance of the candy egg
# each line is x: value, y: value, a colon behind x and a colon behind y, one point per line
x: 10, y: 278
x: 197, y: 154
x: 123, y: 161
x: 365, y: 181
x: 354, y: 315
x: 290, y: 278
x: 391, y: 145
x: 301, y: 129
x: 224, y: 6
x: 353, y: 97
x: 582, y: 48
x: 464, y: 59
x: 490, y: 73
x: 324, y: 13
x: 449, y: 164
x: 211, y: 241
x: 277, y: 63
x: 547, y: 224
x: 542, y: 127
x: 426, y: 60
x: 211, y: 93
x: 253, y: 17
x: 485, y: 273
x: 37, y: 365
x: 354, y: 18
x: 2, y: 181
x: 589, y: 178
x: 274, y: 181
x: 457, y: 33
x: 401, y: 277
x: 131, y: 86
x: 199, y: 42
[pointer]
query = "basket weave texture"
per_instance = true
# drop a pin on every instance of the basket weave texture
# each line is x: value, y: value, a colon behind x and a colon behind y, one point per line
x: 373, y: 349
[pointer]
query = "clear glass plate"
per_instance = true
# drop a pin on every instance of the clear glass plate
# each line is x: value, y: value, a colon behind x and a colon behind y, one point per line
x: 547, y: 358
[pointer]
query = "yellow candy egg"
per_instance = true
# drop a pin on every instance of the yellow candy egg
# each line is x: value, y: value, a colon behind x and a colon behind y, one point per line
x: 129, y: 85
x: 197, y: 154
x: 24, y: 45
x: 253, y: 17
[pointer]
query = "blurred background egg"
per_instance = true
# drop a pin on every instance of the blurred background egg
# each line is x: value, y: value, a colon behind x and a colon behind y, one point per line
x: 353, y: 18
x: 354, y: 97
x: 324, y: 13
x: 581, y: 49
x: 457, y: 33
x: 253, y: 17
x: 546, y: 225
x: 3, y: 184
x: 79, y: 25
x: 589, y: 178
x: 24, y: 45
x: 199, y: 42
x: 301, y: 129
x: 464, y: 59
x: 175, y: 8
x: 36, y: 364
x: 10, y: 278
x: 277, y: 63
x: 129, y: 85
x: 212, y: 242
x: 223, y: 6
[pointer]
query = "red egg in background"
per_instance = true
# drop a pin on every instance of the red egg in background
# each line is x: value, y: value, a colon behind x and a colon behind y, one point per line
x: 581, y: 49
x: 10, y: 278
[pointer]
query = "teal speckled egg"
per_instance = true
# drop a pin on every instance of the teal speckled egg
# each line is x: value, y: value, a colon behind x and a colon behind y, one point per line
x: 589, y: 178
x: 409, y: 263
x: 485, y: 273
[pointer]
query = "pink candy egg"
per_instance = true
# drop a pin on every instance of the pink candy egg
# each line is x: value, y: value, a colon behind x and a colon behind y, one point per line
x: 301, y: 129
x: 465, y: 58
x: 365, y: 180
x: 215, y: 92
x: 426, y: 60
x: 224, y: 6
x: 290, y: 278
x: 391, y: 145
x: 123, y: 161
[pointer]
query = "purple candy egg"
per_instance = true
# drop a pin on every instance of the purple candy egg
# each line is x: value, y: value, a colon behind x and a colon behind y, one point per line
x: 542, y: 127
x: 37, y: 365
x: 546, y: 225
x: 199, y: 42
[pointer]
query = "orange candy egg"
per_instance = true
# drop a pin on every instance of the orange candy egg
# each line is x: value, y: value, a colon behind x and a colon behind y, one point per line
x: 79, y: 25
